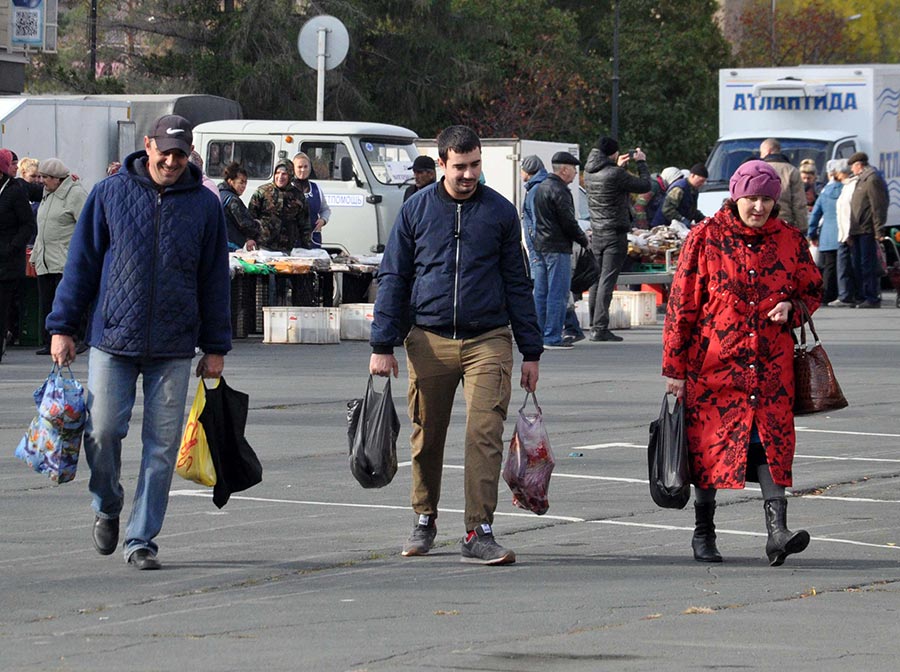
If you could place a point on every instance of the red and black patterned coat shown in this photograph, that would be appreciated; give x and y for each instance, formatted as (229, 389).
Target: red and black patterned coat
(738, 364)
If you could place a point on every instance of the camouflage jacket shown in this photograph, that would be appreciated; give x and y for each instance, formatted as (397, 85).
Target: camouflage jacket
(283, 217)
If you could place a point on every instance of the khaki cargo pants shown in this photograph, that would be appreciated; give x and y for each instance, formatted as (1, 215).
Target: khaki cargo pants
(436, 367)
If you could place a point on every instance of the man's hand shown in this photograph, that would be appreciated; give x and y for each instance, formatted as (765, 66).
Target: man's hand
(383, 365)
(675, 386)
(639, 154)
(62, 349)
(319, 224)
(623, 160)
(529, 378)
(210, 366)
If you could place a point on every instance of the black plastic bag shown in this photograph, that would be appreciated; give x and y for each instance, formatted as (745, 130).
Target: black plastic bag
(373, 427)
(223, 418)
(586, 271)
(667, 458)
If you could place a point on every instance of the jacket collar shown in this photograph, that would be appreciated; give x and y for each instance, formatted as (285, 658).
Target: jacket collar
(135, 166)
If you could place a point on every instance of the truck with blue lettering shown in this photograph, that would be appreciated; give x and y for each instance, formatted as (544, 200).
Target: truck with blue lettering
(361, 168)
(817, 112)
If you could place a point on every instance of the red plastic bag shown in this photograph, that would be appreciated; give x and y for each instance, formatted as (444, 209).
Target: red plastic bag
(530, 462)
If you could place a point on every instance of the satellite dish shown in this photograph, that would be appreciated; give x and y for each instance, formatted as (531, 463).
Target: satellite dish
(337, 41)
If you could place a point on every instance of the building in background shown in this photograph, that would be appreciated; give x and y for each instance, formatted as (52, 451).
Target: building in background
(26, 26)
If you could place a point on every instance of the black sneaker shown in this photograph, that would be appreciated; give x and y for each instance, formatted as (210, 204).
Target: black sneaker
(421, 539)
(574, 338)
(604, 335)
(562, 345)
(479, 547)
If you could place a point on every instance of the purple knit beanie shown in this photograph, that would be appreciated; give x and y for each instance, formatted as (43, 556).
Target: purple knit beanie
(755, 178)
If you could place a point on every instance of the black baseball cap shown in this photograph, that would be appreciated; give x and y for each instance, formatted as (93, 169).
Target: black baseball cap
(172, 132)
(423, 162)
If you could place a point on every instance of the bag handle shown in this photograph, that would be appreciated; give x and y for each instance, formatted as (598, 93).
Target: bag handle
(805, 317)
(533, 399)
(57, 370)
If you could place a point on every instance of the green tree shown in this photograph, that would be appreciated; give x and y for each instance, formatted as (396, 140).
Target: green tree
(807, 32)
(670, 52)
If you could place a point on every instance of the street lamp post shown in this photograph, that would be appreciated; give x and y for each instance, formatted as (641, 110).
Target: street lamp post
(614, 126)
(772, 24)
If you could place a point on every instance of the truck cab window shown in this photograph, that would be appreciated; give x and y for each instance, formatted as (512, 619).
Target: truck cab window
(389, 160)
(325, 158)
(256, 157)
(845, 150)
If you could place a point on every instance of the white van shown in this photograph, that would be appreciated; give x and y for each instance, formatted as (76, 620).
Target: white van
(362, 169)
(817, 112)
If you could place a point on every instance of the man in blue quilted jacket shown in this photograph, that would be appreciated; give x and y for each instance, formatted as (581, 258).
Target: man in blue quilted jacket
(454, 264)
(148, 262)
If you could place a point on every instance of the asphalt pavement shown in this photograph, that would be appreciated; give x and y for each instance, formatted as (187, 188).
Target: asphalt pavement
(303, 571)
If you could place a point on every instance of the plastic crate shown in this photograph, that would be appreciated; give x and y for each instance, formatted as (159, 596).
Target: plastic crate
(639, 306)
(303, 324)
(618, 316)
(356, 321)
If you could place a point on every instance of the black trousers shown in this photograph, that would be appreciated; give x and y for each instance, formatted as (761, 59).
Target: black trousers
(46, 285)
(8, 289)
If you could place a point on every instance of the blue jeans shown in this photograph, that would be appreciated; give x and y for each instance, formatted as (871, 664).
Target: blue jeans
(112, 387)
(552, 281)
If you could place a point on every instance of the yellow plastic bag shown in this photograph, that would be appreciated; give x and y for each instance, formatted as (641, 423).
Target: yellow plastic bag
(194, 459)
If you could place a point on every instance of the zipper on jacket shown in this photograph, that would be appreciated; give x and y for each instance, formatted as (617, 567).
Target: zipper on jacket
(456, 230)
(153, 270)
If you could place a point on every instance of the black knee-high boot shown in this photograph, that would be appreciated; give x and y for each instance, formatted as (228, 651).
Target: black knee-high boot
(782, 542)
(704, 539)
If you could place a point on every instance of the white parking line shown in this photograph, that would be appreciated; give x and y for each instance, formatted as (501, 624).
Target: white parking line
(835, 431)
(567, 519)
(741, 533)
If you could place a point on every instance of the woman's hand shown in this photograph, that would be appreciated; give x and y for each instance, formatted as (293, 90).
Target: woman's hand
(675, 386)
(779, 314)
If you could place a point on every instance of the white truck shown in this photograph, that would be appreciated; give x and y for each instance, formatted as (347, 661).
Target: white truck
(362, 168)
(88, 132)
(819, 112)
(501, 160)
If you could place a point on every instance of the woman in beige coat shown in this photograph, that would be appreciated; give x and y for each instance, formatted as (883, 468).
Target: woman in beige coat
(56, 216)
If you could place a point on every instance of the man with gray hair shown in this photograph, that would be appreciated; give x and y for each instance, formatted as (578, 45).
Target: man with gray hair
(792, 202)
(556, 228)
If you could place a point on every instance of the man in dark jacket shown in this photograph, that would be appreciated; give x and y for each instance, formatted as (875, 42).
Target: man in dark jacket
(149, 260)
(680, 203)
(423, 174)
(454, 264)
(868, 214)
(608, 186)
(556, 228)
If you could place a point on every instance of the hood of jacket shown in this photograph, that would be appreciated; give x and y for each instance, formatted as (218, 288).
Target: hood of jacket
(597, 160)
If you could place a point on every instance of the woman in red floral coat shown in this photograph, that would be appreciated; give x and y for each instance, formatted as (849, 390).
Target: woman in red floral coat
(728, 353)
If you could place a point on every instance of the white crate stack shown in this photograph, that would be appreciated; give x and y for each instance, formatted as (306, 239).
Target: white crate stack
(618, 316)
(640, 307)
(301, 324)
(356, 321)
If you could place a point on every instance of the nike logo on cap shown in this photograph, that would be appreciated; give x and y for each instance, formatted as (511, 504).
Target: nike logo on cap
(174, 131)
